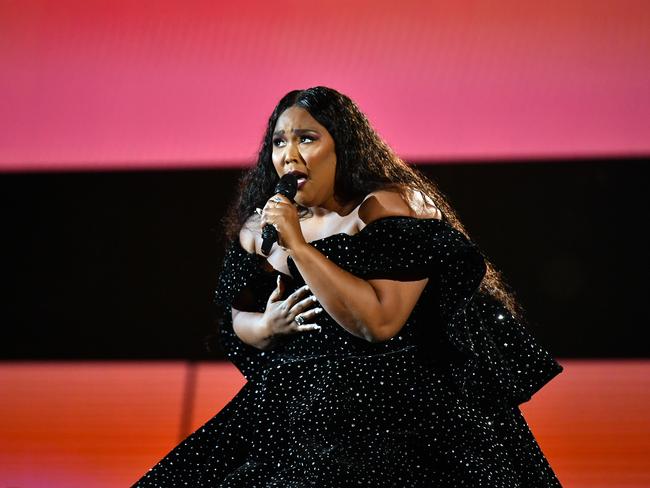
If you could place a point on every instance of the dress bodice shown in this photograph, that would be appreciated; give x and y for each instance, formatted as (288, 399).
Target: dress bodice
(453, 325)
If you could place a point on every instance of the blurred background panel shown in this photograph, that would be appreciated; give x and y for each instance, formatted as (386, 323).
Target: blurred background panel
(123, 265)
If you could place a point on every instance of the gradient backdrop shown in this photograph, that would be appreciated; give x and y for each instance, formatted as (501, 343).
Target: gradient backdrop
(553, 95)
(108, 84)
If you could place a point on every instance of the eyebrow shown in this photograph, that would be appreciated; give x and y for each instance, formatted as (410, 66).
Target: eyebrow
(295, 131)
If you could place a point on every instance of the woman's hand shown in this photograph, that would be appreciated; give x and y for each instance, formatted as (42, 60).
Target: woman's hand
(280, 212)
(279, 317)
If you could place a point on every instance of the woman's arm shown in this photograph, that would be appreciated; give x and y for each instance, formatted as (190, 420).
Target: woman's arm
(252, 329)
(262, 329)
(374, 310)
(250, 326)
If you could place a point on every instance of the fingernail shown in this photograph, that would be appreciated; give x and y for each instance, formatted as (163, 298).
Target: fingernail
(318, 310)
(306, 287)
(259, 211)
(278, 280)
(313, 298)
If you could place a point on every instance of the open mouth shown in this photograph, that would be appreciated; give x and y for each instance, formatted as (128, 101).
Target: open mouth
(301, 178)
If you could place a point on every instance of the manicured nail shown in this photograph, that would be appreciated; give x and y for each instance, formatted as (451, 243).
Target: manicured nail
(318, 310)
(313, 298)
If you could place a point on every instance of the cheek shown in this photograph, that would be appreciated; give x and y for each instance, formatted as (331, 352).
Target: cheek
(321, 159)
(328, 163)
(277, 164)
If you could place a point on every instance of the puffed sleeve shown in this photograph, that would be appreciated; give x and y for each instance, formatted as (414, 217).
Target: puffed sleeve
(409, 248)
(241, 271)
(497, 360)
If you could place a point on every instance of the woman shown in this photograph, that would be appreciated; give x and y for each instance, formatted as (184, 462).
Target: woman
(380, 346)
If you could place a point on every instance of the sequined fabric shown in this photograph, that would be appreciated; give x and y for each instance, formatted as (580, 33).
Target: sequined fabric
(435, 406)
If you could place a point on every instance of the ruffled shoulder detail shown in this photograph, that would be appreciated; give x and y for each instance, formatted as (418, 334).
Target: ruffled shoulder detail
(508, 365)
(240, 271)
(410, 248)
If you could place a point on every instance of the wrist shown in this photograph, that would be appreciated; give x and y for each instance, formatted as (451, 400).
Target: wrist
(266, 334)
(299, 250)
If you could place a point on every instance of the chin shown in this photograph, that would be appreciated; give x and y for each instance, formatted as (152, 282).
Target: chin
(301, 201)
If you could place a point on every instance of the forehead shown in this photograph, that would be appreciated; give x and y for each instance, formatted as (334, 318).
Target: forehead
(297, 118)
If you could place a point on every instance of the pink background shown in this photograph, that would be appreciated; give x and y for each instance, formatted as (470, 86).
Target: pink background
(116, 84)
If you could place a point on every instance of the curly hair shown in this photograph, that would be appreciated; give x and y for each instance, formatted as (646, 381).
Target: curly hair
(364, 164)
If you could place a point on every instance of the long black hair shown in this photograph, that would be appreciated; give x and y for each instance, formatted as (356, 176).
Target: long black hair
(364, 163)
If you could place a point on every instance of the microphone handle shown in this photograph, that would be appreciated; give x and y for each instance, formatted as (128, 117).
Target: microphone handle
(287, 186)
(269, 236)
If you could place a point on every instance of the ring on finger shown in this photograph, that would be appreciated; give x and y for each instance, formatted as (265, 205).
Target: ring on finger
(300, 320)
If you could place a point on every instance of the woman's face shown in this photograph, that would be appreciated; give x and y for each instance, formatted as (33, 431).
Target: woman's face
(303, 146)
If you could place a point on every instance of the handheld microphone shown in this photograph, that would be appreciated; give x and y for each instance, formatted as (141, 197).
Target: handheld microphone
(287, 186)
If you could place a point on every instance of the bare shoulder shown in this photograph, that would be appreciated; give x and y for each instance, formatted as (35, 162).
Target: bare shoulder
(383, 203)
(249, 233)
(387, 203)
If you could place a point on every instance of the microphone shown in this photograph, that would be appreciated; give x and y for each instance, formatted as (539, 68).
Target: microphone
(287, 186)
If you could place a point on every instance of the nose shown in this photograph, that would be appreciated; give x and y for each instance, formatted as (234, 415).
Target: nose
(291, 154)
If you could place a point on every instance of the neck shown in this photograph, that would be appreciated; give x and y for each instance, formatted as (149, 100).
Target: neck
(332, 206)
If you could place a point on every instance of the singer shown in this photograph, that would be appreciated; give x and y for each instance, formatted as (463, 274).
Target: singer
(380, 345)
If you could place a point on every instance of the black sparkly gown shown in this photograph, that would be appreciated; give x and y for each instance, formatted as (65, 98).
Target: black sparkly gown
(435, 406)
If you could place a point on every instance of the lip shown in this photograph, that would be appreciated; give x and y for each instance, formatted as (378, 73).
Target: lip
(302, 177)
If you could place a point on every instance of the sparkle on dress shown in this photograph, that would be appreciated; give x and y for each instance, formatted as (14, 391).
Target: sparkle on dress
(434, 406)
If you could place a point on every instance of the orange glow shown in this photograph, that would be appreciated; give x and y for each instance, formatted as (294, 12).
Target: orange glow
(104, 424)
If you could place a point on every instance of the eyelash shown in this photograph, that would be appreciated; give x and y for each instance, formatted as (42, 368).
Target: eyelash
(275, 141)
